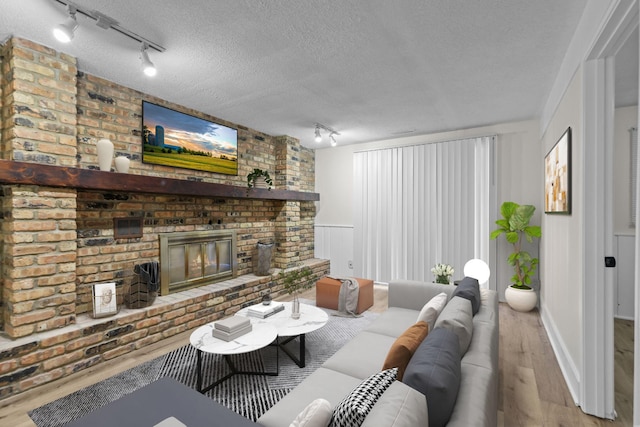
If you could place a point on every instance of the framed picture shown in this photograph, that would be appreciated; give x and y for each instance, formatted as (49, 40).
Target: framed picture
(104, 299)
(171, 138)
(557, 176)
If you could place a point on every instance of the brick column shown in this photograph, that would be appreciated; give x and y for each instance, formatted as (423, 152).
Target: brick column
(38, 227)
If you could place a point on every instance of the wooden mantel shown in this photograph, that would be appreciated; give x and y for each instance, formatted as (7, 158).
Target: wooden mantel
(12, 172)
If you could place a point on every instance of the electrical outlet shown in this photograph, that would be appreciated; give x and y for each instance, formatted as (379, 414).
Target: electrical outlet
(350, 265)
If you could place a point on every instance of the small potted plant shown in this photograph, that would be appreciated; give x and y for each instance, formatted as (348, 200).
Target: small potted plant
(443, 273)
(259, 179)
(514, 225)
(295, 281)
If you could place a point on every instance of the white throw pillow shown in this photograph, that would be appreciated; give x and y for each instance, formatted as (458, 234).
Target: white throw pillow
(317, 414)
(432, 309)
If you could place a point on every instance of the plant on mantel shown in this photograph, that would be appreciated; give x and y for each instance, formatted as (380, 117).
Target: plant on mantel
(253, 178)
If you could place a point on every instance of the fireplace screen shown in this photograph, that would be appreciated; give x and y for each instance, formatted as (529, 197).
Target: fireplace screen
(196, 258)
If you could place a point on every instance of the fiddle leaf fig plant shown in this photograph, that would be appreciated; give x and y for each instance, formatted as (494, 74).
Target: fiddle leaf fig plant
(515, 226)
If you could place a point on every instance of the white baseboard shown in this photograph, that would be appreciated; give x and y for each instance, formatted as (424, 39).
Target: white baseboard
(568, 368)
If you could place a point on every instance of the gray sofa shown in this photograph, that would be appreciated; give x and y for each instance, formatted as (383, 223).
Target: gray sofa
(401, 405)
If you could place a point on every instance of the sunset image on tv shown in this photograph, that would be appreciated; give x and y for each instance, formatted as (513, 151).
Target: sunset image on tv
(171, 138)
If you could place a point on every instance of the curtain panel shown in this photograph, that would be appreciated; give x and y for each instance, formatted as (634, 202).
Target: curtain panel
(419, 205)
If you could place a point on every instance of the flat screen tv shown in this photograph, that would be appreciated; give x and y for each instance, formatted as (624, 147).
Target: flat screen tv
(171, 138)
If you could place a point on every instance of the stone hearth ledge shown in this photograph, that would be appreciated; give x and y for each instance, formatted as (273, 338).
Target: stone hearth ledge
(84, 321)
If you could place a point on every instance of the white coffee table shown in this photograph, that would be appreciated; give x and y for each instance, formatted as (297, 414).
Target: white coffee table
(311, 319)
(261, 335)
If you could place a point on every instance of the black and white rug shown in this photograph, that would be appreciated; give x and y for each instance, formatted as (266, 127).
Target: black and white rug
(248, 395)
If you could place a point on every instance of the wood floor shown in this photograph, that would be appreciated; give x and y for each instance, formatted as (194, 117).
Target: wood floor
(532, 390)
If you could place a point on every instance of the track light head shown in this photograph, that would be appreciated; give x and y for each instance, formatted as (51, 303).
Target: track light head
(332, 138)
(64, 32)
(318, 138)
(147, 66)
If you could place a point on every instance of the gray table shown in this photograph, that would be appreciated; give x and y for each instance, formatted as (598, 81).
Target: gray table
(159, 400)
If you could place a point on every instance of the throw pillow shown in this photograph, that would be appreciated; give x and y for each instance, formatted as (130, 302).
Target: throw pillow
(317, 414)
(434, 370)
(404, 347)
(458, 318)
(432, 309)
(354, 408)
(469, 288)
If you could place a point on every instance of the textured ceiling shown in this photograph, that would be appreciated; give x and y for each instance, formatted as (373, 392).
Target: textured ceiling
(370, 69)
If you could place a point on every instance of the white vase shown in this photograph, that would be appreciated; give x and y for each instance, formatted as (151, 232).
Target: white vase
(521, 299)
(122, 164)
(104, 148)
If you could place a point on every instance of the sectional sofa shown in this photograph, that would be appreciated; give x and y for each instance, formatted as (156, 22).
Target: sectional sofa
(450, 377)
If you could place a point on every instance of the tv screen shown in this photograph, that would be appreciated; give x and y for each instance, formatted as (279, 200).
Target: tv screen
(171, 138)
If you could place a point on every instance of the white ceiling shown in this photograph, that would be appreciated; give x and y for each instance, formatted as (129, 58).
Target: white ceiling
(370, 69)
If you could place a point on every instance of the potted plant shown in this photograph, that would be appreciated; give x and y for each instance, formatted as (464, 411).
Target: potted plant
(443, 273)
(253, 179)
(514, 225)
(295, 281)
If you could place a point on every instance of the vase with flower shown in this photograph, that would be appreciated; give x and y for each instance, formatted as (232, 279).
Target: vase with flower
(443, 273)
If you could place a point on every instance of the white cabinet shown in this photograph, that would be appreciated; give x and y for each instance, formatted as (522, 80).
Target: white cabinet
(625, 265)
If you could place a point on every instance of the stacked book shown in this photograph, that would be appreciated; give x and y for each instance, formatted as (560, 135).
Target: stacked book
(262, 311)
(231, 328)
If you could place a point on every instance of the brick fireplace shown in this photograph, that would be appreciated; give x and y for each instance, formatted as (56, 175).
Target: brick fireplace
(59, 240)
(196, 258)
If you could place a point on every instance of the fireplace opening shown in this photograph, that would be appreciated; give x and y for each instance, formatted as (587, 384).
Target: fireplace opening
(196, 258)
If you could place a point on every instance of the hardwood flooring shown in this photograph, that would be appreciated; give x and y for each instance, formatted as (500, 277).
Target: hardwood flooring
(532, 391)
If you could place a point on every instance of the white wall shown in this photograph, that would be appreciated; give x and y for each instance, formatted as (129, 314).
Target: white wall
(625, 118)
(561, 257)
(519, 178)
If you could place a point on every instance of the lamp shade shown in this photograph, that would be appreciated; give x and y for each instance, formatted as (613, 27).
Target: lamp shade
(64, 32)
(478, 269)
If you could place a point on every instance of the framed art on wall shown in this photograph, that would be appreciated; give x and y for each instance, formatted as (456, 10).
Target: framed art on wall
(172, 138)
(104, 299)
(557, 176)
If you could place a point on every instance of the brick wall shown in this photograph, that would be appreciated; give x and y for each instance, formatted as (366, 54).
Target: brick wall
(58, 242)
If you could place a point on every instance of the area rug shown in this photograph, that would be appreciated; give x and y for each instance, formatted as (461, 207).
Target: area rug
(248, 395)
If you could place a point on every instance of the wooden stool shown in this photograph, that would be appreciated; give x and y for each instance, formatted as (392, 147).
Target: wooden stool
(328, 293)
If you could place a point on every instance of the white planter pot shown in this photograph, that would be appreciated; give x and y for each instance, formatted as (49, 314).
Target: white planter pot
(521, 299)
(122, 164)
(104, 148)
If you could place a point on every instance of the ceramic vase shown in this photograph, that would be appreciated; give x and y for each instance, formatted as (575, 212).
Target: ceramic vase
(122, 164)
(104, 148)
(521, 299)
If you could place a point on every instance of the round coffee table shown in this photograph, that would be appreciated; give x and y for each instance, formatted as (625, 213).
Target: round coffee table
(261, 335)
(311, 319)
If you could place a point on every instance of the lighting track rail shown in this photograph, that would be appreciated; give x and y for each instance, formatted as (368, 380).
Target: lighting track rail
(106, 22)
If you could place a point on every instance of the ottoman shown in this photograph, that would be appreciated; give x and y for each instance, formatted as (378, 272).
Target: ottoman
(328, 292)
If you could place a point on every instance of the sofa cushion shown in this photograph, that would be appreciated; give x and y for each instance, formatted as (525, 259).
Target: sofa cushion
(322, 383)
(317, 414)
(434, 370)
(362, 356)
(469, 288)
(432, 309)
(399, 406)
(354, 408)
(393, 322)
(403, 348)
(458, 318)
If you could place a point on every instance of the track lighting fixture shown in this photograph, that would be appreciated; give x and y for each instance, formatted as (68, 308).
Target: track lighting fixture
(332, 134)
(147, 66)
(332, 138)
(64, 32)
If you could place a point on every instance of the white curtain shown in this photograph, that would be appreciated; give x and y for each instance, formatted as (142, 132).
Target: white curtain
(421, 205)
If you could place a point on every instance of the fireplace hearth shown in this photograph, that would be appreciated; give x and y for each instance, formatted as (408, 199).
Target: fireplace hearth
(196, 258)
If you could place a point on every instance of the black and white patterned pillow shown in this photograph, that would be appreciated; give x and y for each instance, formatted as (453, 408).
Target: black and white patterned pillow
(354, 408)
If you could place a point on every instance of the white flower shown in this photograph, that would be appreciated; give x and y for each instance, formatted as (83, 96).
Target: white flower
(442, 270)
